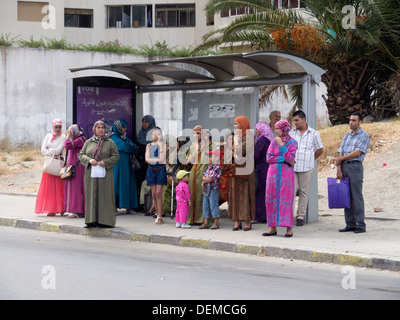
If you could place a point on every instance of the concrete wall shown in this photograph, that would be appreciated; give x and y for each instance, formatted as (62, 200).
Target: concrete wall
(33, 90)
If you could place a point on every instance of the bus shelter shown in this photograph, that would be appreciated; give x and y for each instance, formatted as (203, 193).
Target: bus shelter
(211, 73)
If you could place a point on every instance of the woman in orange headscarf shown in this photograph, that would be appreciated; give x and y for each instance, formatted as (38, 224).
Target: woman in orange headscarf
(242, 181)
(198, 156)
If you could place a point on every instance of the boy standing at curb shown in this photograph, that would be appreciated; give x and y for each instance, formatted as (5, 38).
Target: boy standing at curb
(210, 186)
(182, 199)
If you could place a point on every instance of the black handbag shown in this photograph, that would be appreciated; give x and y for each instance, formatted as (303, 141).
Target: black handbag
(135, 165)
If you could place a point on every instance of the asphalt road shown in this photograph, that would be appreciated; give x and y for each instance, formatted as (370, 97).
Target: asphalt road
(42, 265)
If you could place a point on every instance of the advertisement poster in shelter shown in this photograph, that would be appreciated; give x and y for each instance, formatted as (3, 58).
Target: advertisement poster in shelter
(106, 104)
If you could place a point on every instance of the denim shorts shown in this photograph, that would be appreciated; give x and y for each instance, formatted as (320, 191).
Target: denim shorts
(156, 175)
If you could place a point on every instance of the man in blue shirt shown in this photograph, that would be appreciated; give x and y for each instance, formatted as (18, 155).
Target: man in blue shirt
(351, 155)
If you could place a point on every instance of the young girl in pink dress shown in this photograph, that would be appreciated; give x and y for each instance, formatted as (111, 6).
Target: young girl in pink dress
(182, 199)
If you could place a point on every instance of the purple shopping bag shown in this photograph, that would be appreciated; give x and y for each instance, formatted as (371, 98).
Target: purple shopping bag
(339, 193)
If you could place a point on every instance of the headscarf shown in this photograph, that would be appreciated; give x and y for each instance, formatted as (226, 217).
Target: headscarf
(142, 135)
(199, 129)
(77, 131)
(100, 140)
(265, 131)
(56, 122)
(244, 124)
(117, 128)
(204, 141)
(285, 127)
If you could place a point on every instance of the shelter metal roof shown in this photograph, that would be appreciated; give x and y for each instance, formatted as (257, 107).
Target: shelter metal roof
(215, 69)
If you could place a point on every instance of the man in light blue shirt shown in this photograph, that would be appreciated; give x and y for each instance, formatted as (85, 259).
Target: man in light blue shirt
(351, 155)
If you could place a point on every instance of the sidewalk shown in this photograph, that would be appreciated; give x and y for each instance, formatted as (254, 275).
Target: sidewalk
(378, 248)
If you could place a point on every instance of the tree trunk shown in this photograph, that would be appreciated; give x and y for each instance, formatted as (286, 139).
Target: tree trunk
(349, 86)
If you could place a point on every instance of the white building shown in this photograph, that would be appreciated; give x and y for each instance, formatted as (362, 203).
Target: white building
(181, 23)
(33, 81)
(132, 22)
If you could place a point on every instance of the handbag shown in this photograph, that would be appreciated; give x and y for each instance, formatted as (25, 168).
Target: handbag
(135, 165)
(68, 172)
(53, 164)
(339, 193)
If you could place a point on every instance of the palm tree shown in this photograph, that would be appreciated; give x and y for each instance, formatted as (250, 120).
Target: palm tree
(387, 20)
(352, 57)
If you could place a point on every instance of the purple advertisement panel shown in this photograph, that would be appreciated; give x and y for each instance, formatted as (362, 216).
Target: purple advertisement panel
(106, 104)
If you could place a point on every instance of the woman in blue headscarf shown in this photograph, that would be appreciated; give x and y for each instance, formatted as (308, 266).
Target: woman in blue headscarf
(124, 177)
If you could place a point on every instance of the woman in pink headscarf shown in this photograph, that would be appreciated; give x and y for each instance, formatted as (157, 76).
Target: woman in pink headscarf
(280, 180)
(50, 198)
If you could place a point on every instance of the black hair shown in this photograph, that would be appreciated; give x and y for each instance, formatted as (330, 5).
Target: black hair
(360, 117)
(300, 114)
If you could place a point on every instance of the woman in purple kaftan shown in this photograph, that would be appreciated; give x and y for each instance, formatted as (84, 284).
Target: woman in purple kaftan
(74, 199)
(263, 138)
(280, 180)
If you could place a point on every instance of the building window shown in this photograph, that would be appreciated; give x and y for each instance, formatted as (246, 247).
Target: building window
(175, 15)
(31, 11)
(288, 4)
(78, 18)
(132, 16)
(235, 12)
(281, 4)
(210, 20)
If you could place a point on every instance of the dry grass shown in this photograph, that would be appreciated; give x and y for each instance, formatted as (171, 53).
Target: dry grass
(383, 135)
(13, 159)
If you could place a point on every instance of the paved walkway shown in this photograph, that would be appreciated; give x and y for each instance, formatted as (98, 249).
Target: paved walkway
(379, 247)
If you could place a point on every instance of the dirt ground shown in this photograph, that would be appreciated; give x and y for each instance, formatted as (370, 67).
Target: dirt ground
(21, 171)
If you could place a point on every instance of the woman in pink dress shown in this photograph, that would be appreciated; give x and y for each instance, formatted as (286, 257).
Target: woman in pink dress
(50, 198)
(280, 180)
(74, 200)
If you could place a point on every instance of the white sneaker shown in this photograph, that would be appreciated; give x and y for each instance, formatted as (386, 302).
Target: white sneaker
(178, 225)
(186, 226)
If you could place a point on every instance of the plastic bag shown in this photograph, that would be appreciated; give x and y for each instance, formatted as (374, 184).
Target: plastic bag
(339, 193)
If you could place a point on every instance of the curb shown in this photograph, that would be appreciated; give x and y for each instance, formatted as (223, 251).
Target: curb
(262, 251)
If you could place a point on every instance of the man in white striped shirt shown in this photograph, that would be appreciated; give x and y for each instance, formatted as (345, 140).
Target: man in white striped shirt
(310, 148)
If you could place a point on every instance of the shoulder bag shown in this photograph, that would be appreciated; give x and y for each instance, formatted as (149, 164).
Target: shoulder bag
(53, 164)
(68, 172)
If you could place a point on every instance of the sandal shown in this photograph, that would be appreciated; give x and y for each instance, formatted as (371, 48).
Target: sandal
(159, 220)
(214, 227)
(239, 227)
(204, 226)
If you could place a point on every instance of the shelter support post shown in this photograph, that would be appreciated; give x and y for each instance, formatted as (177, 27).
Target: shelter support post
(310, 109)
(139, 110)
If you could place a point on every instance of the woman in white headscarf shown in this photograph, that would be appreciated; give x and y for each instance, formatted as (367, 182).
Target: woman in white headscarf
(50, 198)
